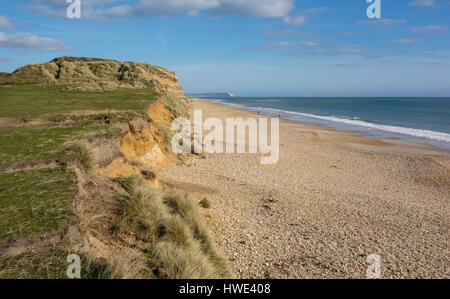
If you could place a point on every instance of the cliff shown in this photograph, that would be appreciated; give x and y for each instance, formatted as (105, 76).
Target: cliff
(98, 130)
(95, 74)
(142, 143)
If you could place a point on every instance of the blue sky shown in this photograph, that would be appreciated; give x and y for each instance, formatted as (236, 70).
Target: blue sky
(247, 47)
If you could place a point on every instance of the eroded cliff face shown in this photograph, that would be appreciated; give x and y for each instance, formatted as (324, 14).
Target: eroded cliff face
(143, 142)
(144, 145)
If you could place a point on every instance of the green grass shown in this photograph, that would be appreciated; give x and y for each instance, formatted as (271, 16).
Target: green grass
(179, 245)
(35, 201)
(32, 101)
(56, 125)
(49, 265)
(24, 144)
(62, 116)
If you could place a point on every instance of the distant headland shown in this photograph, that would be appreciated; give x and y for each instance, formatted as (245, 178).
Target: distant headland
(212, 95)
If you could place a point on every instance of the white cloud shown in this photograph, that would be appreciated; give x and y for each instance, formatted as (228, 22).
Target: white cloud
(193, 13)
(31, 42)
(424, 3)
(349, 33)
(432, 29)
(64, 4)
(5, 23)
(384, 22)
(270, 32)
(295, 21)
(256, 8)
(314, 10)
(406, 41)
(286, 45)
(96, 9)
(153, 8)
(344, 65)
(348, 49)
(430, 3)
(301, 19)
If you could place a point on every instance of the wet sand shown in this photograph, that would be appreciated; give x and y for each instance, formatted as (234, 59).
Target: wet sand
(333, 199)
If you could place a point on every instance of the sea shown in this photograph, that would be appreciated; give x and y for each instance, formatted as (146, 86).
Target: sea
(425, 120)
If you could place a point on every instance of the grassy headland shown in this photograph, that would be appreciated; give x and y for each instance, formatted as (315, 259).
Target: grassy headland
(56, 130)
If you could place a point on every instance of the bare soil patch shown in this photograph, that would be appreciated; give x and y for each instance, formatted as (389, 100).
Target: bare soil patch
(9, 122)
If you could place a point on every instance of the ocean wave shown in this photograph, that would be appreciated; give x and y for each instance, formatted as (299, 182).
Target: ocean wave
(420, 133)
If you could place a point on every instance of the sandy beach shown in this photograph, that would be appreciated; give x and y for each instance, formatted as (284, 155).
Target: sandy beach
(333, 199)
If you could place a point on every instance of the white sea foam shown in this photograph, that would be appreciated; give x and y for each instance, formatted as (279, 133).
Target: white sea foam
(433, 135)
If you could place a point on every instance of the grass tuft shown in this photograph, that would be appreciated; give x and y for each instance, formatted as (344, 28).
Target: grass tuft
(180, 245)
(149, 174)
(205, 203)
(174, 262)
(182, 158)
(166, 133)
(177, 107)
(84, 157)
